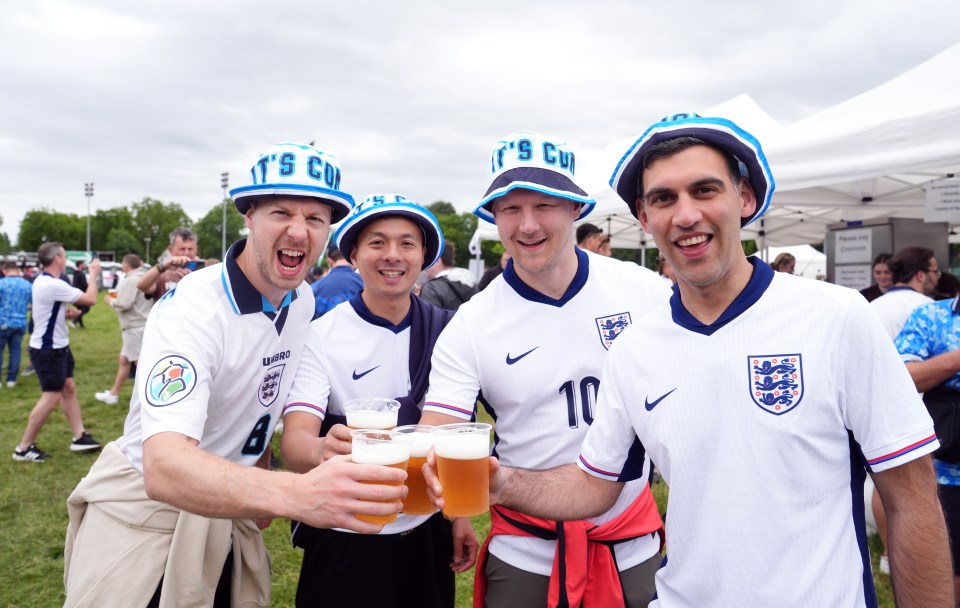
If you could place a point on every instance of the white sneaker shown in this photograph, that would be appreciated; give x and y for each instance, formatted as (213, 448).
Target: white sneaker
(884, 565)
(11, 384)
(107, 397)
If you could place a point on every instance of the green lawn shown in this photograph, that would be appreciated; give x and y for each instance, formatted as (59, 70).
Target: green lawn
(33, 496)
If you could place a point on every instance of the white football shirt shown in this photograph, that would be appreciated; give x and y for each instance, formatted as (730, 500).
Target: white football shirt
(761, 424)
(353, 353)
(217, 363)
(536, 364)
(49, 310)
(895, 306)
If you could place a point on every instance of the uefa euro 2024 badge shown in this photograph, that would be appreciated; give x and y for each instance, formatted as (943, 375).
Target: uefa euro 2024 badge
(171, 379)
(776, 382)
(611, 326)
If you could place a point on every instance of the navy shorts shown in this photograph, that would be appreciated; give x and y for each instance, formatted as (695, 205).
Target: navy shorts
(53, 367)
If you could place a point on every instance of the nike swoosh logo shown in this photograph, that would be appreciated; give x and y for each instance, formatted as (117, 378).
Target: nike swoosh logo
(357, 376)
(512, 360)
(652, 404)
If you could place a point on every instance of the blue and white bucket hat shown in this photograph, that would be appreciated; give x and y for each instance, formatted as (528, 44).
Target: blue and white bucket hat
(719, 132)
(291, 169)
(533, 162)
(379, 206)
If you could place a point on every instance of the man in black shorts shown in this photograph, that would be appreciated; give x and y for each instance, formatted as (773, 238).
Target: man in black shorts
(50, 352)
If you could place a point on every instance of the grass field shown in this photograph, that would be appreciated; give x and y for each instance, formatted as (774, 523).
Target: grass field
(33, 496)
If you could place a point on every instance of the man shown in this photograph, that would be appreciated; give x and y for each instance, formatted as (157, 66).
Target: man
(132, 308)
(378, 344)
(449, 286)
(15, 293)
(915, 272)
(165, 515)
(531, 346)
(494, 271)
(589, 237)
(930, 346)
(181, 260)
(759, 395)
(50, 352)
(80, 282)
(339, 284)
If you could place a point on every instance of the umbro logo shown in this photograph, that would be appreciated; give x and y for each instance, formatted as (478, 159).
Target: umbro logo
(512, 360)
(357, 376)
(652, 404)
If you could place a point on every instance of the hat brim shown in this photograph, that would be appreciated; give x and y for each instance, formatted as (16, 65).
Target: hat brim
(538, 180)
(341, 202)
(719, 132)
(348, 232)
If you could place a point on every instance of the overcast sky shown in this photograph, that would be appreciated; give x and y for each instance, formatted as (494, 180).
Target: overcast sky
(158, 98)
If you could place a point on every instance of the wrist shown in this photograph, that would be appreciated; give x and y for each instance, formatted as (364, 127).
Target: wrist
(160, 267)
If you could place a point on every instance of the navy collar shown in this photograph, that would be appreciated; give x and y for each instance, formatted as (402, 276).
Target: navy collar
(893, 288)
(364, 313)
(756, 286)
(529, 293)
(243, 296)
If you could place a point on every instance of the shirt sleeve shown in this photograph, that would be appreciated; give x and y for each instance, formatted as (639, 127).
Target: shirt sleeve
(454, 374)
(878, 400)
(311, 385)
(65, 292)
(611, 449)
(182, 350)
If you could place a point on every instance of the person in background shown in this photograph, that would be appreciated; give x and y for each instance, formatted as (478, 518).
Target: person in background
(494, 271)
(339, 284)
(785, 262)
(80, 282)
(948, 286)
(179, 260)
(915, 275)
(882, 278)
(449, 286)
(50, 352)
(15, 293)
(665, 270)
(588, 237)
(133, 308)
(605, 247)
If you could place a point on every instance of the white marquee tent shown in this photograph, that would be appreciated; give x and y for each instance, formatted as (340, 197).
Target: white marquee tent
(868, 157)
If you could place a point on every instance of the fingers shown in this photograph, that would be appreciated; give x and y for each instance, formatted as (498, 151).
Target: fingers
(434, 488)
(337, 441)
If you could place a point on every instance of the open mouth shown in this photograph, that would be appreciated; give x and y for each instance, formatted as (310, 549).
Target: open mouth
(692, 241)
(392, 274)
(532, 244)
(290, 260)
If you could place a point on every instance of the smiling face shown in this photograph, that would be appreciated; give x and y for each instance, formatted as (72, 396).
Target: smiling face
(388, 255)
(287, 235)
(882, 275)
(537, 231)
(693, 210)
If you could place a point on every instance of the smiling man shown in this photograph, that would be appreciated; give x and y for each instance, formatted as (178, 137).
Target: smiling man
(377, 344)
(165, 516)
(531, 347)
(761, 397)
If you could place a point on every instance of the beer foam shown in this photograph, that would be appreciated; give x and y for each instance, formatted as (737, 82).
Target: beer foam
(385, 453)
(369, 419)
(462, 446)
(422, 442)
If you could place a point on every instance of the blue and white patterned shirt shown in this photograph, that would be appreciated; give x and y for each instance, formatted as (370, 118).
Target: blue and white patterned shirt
(934, 329)
(14, 298)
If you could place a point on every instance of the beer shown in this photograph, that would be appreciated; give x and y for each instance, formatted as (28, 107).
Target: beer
(371, 413)
(417, 501)
(373, 446)
(462, 451)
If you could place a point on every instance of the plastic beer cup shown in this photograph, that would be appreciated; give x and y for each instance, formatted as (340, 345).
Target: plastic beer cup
(371, 413)
(417, 501)
(386, 448)
(462, 451)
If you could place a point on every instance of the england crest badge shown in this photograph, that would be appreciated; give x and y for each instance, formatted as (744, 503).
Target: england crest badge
(776, 382)
(611, 326)
(270, 385)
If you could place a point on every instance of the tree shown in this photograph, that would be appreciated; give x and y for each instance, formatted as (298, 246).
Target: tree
(42, 225)
(209, 228)
(113, 230)
(156, 220)
(456, 228)
(4, 241)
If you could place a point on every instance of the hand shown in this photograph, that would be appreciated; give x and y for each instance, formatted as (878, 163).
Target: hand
(331, 494)
(336, 441)
(94, 268)
(498, 480)
(108, 299)
(465, 545)
(72, 313)
(177, 264)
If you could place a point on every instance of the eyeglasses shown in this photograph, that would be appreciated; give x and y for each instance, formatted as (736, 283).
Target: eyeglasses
(935, 271)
